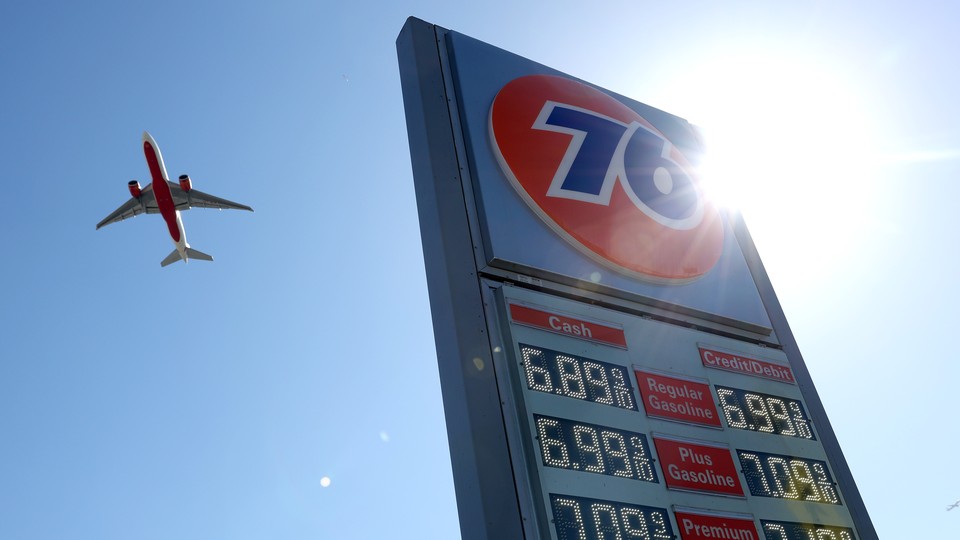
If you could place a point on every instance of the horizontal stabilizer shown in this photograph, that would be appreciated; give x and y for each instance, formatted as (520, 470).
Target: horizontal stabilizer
(194, 254)
(191, 253)
(173, 257)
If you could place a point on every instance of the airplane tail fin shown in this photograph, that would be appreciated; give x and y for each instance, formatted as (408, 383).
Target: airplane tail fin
(174, 256)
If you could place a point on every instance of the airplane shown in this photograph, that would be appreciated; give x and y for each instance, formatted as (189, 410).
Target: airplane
(952, 506)
(167, 199)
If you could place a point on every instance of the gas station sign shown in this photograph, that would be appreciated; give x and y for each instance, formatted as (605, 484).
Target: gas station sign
(613, 360)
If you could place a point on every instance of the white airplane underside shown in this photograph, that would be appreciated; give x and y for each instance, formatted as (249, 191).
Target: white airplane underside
(167, 199)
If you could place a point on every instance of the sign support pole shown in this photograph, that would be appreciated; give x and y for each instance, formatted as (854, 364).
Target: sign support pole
(478, 446)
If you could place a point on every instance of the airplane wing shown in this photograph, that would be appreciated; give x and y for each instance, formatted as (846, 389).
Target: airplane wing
(146, 203)
(195, 198)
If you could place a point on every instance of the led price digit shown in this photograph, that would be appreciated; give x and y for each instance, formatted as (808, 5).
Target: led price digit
(787, 477)
(598, 382)
(764, 413)
(588, 446)
(572, 376)
(579, 446)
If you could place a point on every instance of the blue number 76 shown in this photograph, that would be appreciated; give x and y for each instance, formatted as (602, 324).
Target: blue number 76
(603, 149)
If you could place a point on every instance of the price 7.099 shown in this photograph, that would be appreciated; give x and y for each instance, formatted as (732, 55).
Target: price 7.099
(594, 519)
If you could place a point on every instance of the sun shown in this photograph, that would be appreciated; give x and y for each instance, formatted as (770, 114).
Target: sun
(789, 144)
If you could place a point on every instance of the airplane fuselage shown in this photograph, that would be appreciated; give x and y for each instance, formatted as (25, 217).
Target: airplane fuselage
(168, 210)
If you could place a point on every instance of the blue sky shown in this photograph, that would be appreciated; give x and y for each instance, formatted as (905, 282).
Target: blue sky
(208, 400)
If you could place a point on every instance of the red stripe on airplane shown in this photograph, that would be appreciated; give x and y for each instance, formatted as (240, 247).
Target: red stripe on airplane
(162, 191)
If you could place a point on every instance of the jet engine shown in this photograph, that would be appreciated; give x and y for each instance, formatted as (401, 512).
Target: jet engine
(134, 188)
(185, 183)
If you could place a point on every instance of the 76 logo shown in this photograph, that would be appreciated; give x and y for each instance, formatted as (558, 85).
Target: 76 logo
(604, 179)
(604, 150)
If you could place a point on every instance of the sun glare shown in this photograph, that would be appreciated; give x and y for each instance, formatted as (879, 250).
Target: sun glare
(789, 145)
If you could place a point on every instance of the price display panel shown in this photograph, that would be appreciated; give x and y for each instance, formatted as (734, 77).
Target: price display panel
(579, 518)
(576, 377)
(764, 413)
(643, 435)
(788, 477)
(787, 530)
(580, 446)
